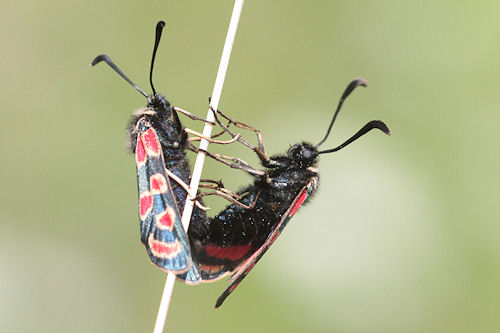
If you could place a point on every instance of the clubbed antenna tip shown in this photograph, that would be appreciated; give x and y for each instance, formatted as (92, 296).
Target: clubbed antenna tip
(107, 59)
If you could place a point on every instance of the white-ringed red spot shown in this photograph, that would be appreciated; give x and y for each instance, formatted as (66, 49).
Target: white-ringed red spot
(300, 200)
(140, 153)
(164, 250)
(158, 184)
(165, 220)
(151, 142)
(145, 204)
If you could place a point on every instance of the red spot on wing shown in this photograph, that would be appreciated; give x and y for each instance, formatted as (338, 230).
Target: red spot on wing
(151, 142)
(165, 220)
(300, 200)
(140, 153)
(230, 252)
(158, 184)
(164, 250)
(145, 205)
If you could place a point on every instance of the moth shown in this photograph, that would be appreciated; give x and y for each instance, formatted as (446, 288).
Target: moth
(158, 140)
(238, 237)
(235, 239)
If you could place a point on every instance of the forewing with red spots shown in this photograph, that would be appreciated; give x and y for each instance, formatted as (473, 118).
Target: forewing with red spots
(161, 227)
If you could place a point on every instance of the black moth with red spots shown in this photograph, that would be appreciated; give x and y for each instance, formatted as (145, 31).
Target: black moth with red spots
(237, 237)
(158, 140)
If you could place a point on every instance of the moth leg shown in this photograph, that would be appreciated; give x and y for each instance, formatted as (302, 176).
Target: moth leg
(199, 135)
(177, 180)
(235, 163)
(246, 189)
(212, 181)
(238, 196)
(190, 115)
(252, 206)
(260, 150)
(229, 197)
(200, 206)
(228, 131)
(219, 188)
(195, 117)
(185, 186)
(213, 136)
(244, 126)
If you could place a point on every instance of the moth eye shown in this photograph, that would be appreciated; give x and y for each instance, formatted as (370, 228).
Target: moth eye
(307, 154)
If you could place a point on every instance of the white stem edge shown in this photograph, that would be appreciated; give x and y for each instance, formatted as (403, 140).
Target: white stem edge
(200, 158)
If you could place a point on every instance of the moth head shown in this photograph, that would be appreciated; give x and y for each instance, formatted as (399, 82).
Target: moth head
(303, 153)
(159, 103)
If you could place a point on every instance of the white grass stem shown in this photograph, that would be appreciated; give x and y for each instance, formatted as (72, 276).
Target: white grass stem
(200, 158)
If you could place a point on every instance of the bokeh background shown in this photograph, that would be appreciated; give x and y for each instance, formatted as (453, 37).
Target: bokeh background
(403, 235)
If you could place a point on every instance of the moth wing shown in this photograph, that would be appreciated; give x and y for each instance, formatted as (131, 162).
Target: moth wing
(247, 266)
(160, 220)
(204, 272)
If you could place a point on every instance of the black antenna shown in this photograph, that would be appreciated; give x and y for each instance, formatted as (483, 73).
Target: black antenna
(159, 28)
(107, 59)
(353, 85)
(367, 128)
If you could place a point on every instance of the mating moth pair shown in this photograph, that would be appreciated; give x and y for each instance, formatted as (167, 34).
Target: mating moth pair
(235, 239)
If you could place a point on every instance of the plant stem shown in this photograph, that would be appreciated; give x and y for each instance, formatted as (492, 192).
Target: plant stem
(200, 158)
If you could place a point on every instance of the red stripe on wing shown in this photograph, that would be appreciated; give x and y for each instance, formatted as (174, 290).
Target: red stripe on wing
(247, 266)
(230, 252)
(300, 200)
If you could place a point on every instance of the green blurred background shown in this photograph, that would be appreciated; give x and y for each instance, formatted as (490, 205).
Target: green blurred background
(403, 235)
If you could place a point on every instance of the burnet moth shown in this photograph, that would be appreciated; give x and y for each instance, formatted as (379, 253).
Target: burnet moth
(238, 237)
(158, 141)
